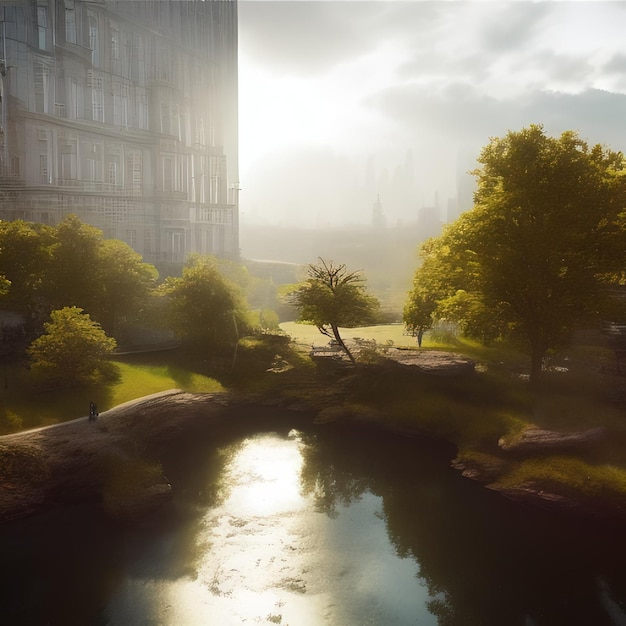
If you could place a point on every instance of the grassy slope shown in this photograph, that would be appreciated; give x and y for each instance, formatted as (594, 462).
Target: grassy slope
(23, 406)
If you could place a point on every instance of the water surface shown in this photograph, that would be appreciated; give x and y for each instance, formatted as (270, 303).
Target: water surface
(305, 527)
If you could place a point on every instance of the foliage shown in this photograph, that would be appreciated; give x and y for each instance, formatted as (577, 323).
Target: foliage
(69, 277)
(533, 257)
(333, 297)
(125, 283)
(203, 308)
(46, 268)
(418, 312)
(568, 474)
(73, 350)
(24, 256)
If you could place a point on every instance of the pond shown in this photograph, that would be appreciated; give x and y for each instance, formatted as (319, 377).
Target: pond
(303, 527)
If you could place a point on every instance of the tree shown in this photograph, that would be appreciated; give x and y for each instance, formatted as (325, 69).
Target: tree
(71, 276)
(124, 283)
(418, 312)
(332, 297)
(202, 307)
(73, 350)
(24, 255)
(533, 256)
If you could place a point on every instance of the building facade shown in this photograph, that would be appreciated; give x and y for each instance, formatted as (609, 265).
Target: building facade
(123, 112)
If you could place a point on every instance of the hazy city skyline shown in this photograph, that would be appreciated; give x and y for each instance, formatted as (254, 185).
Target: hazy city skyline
(341, 101)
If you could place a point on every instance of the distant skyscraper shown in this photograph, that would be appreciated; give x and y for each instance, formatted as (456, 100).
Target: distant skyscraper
(378, 217)
(124, 113)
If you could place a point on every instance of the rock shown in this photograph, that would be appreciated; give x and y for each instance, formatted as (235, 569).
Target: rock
(534, 439)
(432, 361)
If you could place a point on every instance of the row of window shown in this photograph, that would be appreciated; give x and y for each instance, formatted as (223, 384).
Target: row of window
(110, 100)
(119, 48)
(67, 159)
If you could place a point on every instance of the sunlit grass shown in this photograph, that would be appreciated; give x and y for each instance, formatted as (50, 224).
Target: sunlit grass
(569, 474)
(137, 381)
(307, 333)
(24, 406)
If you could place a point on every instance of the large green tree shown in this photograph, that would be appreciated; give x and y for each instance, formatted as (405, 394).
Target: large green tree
(203, 308)
(332, 297)
(71, 276)
(546, 234)
(73, 350)
(24, 256)
(125, 283)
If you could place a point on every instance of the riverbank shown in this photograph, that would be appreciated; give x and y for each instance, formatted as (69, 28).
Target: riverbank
(74, 460)
(113, 459)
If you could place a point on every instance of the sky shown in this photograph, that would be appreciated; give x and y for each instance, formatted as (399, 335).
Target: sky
(341, 102)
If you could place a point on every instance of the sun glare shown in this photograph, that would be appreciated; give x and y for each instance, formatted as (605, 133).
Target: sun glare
(264, 477)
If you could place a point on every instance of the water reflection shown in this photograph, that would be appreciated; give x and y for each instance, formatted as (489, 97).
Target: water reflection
(309, 528)
(264, 554)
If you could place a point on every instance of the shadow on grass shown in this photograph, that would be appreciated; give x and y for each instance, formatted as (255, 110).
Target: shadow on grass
(25, 404)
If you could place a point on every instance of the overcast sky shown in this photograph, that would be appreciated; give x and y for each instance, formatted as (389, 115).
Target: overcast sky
(342, 101)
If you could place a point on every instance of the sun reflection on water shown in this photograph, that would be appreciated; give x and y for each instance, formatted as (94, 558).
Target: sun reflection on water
(264, 476)
(264, 554)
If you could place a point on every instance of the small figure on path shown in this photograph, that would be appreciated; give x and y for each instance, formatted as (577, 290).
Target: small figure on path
(93, 411)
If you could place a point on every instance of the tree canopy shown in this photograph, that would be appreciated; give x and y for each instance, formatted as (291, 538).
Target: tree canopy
(333, 297)
(546, 234)
(204, 308)
(73, 349)
(71, 264)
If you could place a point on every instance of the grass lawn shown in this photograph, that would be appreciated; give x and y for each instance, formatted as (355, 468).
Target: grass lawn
(308, 334)
(22, 406)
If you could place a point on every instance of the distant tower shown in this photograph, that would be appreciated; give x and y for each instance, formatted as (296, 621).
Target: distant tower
(378, 219)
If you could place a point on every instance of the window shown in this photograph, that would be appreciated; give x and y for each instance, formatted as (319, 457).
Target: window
(175, 244)
(42, 88)
(115, 43)
(120, 104)
(91, 161)
(140, 60)
(93, 40)
(68, 161)
(44, 169)
(130, 237)
(97, 99)
(15, 165)
(147, 241)
(74, 92)
(42, 23)
(134, 170)
(142, 108)
(44, 173)
(165, 118)
(70, 21)
(112, 179)
(168, 173)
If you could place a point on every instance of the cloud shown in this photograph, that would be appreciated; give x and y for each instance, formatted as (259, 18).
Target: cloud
(512, 26)
(436, 78)
(305, 38)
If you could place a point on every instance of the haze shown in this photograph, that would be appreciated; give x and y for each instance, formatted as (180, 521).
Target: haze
(343, 101)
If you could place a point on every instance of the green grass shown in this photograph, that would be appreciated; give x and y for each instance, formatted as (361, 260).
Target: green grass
(308, 334)
(569, 474)
(142, 380)
(23, 406)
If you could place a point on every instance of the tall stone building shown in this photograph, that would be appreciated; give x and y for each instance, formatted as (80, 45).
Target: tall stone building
(123, 112)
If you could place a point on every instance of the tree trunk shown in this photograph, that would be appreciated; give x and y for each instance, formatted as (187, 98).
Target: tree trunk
(342, 344)
(420, 334)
